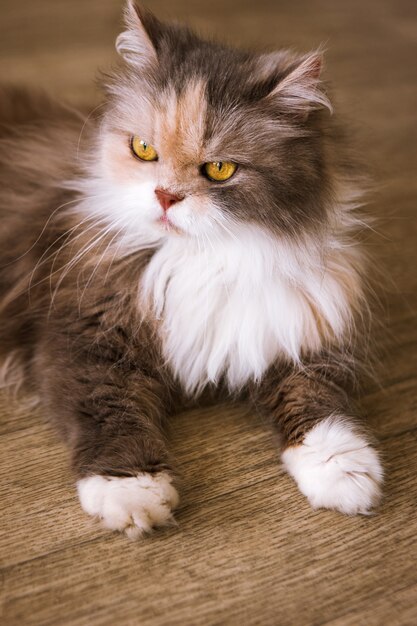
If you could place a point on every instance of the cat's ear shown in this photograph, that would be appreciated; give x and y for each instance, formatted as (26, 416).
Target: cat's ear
(300, 89)
(137, 44)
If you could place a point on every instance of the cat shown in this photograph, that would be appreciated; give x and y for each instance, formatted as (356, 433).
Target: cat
(201, 230)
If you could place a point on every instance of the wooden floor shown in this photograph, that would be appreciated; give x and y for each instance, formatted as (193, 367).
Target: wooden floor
(248, 550)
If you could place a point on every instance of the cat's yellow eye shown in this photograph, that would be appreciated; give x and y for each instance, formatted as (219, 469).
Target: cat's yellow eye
(219, 171)
(142, 149)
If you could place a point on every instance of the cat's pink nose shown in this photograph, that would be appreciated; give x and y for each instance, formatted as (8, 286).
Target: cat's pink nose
(166, 198)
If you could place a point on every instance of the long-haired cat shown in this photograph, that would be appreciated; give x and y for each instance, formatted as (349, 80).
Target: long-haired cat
(202, 231)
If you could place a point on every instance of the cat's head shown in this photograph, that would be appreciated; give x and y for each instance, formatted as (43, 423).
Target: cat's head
(198, 139)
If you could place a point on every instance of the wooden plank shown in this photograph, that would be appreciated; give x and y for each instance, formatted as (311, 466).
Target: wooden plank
(258, 550)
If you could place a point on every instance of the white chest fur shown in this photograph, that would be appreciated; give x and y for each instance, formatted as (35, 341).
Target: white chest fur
(232, 307)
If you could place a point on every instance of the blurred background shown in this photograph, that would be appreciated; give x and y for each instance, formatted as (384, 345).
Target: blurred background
(248, 550)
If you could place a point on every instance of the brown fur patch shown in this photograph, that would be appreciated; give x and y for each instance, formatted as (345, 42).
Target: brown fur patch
(180, 129)
(296, 399)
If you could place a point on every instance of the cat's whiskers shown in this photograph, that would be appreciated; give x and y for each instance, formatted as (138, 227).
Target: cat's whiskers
(94, 241)
(40, 234)
(97, 265)
(55, 256)
(66, 268)
(44, 259)
(115, 254)
(70, 239)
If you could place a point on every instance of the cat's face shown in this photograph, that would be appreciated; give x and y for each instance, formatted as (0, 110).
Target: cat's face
(198, 139)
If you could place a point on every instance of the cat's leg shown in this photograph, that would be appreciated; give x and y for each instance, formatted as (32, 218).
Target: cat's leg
(125, 476)
(325, 449)
(110, 408)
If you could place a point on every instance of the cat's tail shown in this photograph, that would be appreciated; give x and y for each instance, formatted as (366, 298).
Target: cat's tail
(20, 106)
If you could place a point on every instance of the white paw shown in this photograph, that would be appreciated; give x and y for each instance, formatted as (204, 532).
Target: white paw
(134, 505)
(336, 468)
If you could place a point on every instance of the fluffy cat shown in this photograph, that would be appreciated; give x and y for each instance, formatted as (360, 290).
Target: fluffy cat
(201, 231)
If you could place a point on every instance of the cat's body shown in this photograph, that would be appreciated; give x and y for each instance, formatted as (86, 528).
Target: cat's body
(128, 286)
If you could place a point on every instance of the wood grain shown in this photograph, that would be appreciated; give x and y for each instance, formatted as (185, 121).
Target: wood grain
(248, 550)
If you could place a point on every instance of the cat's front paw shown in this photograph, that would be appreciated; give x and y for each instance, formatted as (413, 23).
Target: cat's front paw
(336, 468)
(134, 505)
